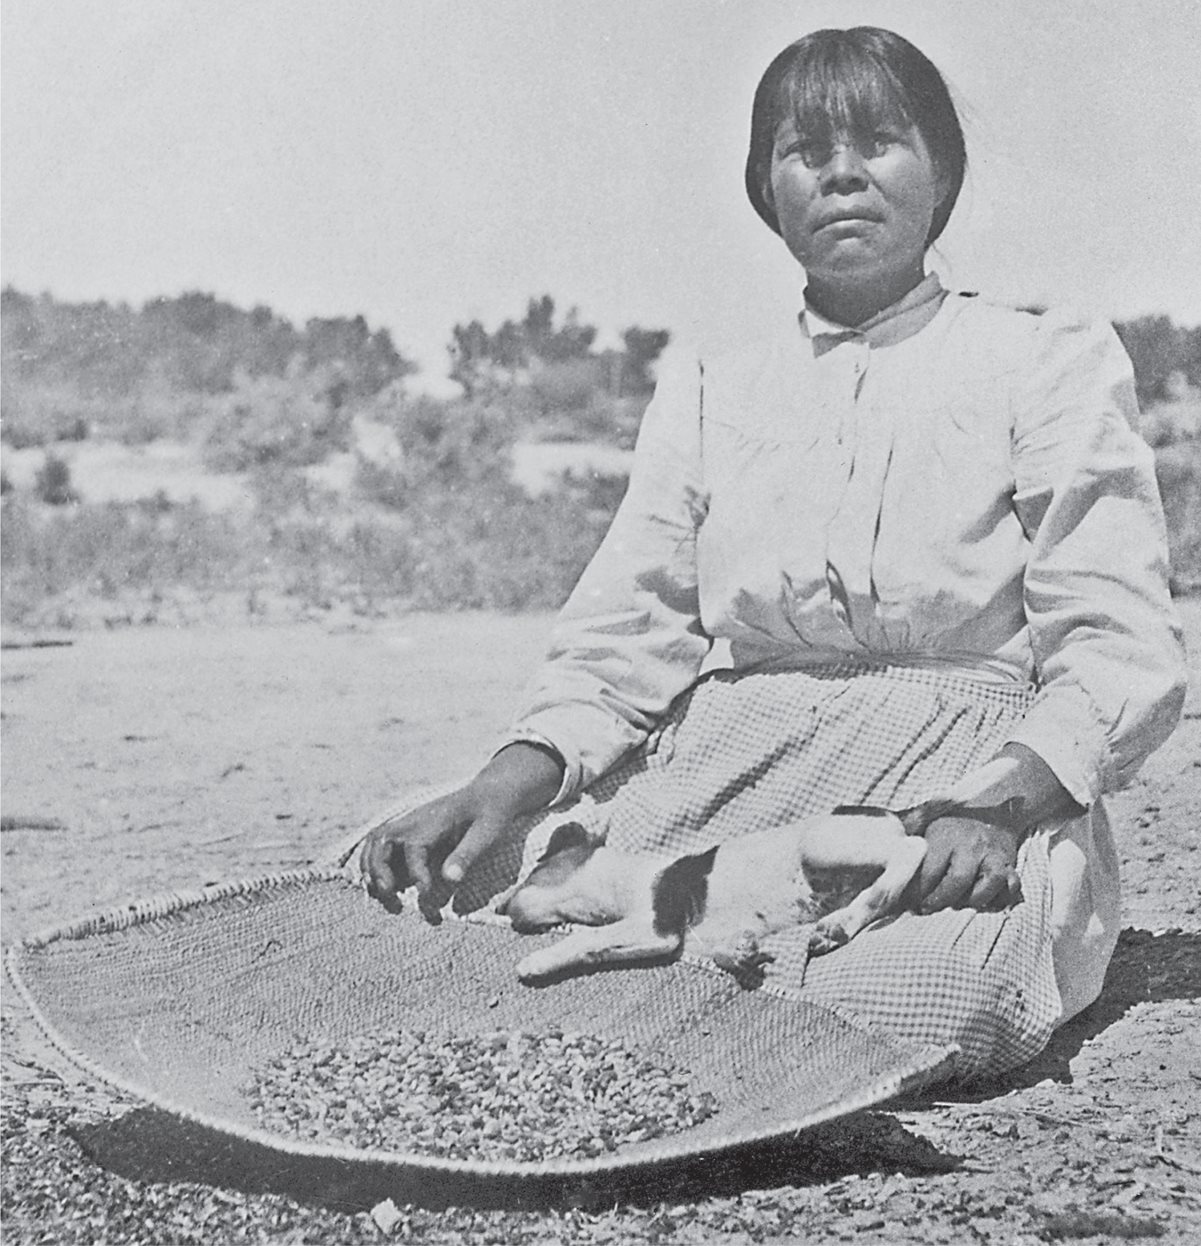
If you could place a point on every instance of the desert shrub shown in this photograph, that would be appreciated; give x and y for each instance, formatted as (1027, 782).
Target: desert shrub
(500, 549)
(158, 503)
(566, 386)
(1159, 351)
(457, 532)
(22, 436)
(268, 420)
(382, 483)
(482, 544)
(194, 342)
(1164, 423)
(102, 549)
(1178, 469)
(281, 490)
(381, 556)
(444, 446)
(53, 482)
(153, 413)
(40, 417)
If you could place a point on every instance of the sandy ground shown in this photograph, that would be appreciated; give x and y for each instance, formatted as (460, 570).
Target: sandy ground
(170, 758)
(106, 471)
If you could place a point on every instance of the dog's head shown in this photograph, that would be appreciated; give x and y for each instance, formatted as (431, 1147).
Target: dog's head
(556, 890)
(577, 879)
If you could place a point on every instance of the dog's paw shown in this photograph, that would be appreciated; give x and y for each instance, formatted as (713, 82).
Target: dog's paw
(826, 937)
(745, 961)
(539, 965)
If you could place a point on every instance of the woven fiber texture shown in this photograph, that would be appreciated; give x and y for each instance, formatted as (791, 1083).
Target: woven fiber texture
(739, 752)
(181, 1001)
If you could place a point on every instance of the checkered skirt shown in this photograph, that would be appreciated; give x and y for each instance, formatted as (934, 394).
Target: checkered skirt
(741, 751)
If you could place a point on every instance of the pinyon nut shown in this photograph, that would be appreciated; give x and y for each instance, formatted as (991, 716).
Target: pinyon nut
(505, 1095)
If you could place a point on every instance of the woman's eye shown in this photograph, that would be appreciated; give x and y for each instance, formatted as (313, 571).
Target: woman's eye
(882, 140)
(812, 154)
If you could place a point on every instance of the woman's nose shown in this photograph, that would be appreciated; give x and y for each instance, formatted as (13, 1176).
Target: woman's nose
(844, 171)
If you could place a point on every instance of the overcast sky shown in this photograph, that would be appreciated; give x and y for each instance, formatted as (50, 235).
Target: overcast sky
(430, 161)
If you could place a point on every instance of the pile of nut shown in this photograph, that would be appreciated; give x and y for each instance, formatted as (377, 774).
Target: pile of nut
(504, 1096)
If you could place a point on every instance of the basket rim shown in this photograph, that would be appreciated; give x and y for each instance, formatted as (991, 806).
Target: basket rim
(926, 1062)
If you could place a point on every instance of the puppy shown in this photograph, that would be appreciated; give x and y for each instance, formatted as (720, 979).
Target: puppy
(841, 871)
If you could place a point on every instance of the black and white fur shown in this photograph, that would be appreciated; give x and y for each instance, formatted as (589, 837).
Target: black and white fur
(840, 871)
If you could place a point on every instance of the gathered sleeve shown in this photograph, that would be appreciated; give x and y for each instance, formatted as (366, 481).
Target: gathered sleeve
(630, 639)
(1107, 645)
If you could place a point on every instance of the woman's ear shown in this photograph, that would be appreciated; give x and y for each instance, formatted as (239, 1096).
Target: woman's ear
(942, 185)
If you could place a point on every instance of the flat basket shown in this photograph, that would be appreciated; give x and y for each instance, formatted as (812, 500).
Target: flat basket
(178, 1001)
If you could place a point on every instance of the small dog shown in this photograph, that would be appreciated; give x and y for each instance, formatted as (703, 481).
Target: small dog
(841, 871)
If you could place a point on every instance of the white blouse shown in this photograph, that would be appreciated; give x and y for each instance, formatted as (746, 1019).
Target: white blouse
(953, 483)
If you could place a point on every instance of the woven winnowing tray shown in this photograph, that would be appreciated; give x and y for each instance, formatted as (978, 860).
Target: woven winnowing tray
(179, 1001)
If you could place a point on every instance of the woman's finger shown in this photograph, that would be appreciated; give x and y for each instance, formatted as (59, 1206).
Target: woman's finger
(375, 865)
(953, 888)
(415, 854)
(990, 885)
(479, 835)
(936, 863)
(407, 852)
(1013, 887)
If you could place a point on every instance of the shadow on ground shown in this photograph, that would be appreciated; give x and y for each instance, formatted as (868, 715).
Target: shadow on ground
(148, 1145)
(1146, 968)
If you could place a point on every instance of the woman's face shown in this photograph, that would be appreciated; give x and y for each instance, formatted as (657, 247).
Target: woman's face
(855, 210)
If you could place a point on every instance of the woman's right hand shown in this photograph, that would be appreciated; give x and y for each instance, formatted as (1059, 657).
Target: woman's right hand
(433, 846)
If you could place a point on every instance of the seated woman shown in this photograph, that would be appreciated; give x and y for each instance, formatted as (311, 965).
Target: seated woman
(926, 536)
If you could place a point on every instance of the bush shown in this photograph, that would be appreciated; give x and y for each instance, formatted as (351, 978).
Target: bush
(566, 386)
(152, 414)
(288, 421)
(53, 482)
(102, 550)
(28, 425)
(444, 446)
(476, 545)
(1178, 469)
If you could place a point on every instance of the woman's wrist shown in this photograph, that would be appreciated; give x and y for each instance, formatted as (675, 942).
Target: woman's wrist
(526, 775)
(1036, 789)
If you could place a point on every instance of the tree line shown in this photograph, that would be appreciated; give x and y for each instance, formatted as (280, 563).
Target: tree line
(195, 343)
(198, 343)
(545, 363)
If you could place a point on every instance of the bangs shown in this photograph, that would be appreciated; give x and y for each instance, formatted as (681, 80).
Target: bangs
(839, 90)
(835, 85)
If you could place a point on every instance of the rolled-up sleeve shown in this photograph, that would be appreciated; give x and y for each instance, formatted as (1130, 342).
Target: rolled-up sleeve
(629, 640)
(1106, 641)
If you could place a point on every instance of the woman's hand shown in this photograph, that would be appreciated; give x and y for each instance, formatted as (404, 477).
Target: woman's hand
(972, 862)
(968, 864)
(433, 846)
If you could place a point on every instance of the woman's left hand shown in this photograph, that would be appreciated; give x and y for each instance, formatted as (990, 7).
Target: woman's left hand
(968, 864)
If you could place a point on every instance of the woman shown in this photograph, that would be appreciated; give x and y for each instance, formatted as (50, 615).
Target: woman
(925, 535)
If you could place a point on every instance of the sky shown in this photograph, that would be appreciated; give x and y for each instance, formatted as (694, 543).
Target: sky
(428, 162)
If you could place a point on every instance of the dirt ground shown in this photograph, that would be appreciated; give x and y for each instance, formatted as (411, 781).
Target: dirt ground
(138, 761)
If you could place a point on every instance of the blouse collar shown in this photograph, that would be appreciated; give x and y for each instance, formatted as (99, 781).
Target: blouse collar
(894, 324)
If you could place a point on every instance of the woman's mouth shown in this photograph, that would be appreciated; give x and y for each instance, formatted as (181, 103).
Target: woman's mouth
(848, 219)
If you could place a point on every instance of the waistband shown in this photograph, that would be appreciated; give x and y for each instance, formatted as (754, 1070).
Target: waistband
(990, 672)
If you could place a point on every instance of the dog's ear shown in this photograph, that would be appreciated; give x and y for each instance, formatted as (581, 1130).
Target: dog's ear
(569, 835)
(679, 892)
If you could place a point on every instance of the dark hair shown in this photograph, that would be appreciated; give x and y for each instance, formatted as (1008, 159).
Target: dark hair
(835, 82)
